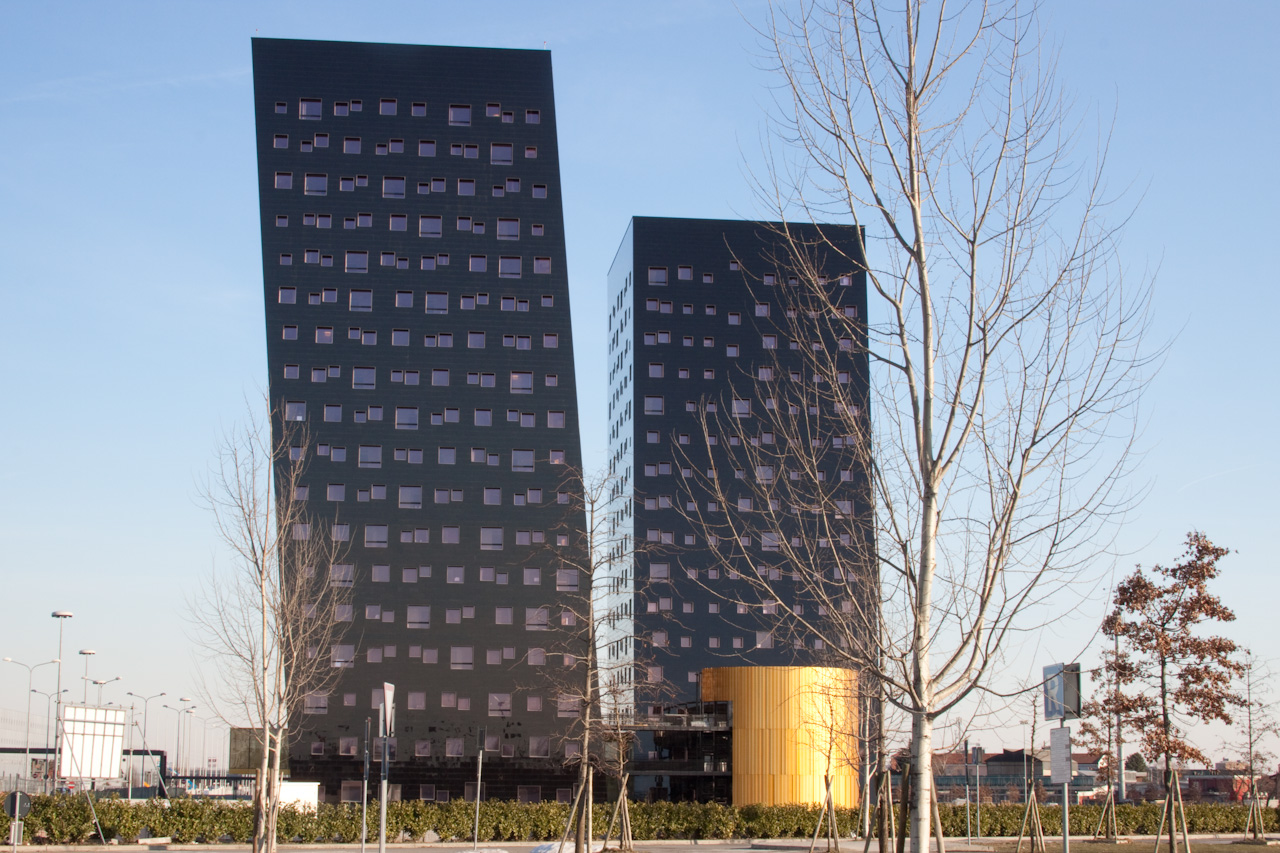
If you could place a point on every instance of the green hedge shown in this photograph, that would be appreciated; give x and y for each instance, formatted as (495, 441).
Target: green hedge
(66, 819)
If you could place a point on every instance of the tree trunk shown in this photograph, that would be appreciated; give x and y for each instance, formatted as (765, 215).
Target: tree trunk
(904, 798)
(273, 793)
(922, 676)
(1170, 795)
(921, 782)
(884, 805)
(260, 796)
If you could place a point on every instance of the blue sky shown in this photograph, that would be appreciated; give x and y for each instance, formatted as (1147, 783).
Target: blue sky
(129, 218)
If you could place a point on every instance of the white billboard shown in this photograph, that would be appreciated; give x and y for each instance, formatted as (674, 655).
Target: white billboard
(92, 742)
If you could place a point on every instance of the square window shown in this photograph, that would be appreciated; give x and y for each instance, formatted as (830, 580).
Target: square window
(357, 262)
(539, 190)
(460, 115)
(491, 538)
(375, 536)
(521, 382)
(509, 267)
(387, 107)
(508, 229)
(541, 266)
(430, 226)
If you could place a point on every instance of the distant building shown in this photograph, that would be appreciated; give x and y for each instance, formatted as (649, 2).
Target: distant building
(695, 330)
(703, 351)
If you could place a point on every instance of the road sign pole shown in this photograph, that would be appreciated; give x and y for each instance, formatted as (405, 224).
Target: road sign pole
(364, 790)
(16, 806)
(386, 726)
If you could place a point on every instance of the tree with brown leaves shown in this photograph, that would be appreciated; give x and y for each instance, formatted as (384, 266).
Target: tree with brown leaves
(1160, 616)
(1103, 721)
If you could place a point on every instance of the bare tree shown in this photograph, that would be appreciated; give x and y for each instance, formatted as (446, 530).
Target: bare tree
(1005, 353)
(1185, 676)
(601, 674)
(1258, 730)
(270, 622)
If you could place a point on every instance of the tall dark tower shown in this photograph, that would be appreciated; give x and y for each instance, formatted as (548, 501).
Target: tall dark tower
(710, 356)
(417, 313)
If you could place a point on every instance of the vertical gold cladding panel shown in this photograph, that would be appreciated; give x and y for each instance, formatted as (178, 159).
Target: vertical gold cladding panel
(792, 725)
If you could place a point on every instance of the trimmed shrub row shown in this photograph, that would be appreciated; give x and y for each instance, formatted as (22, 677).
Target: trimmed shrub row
(66, 819)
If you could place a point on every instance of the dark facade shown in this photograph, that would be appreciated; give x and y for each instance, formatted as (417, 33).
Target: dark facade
(417, 313)
(702, 348)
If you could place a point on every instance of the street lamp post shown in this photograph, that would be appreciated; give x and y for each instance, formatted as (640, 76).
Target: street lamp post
(145, 702)
(62, 616)
(87, 653)
(177, 721)
(48, 721)
(127, 757)
(101, 683)
(202, 762)
(186, 735)
(177, 749)
(146, 707)
(30, 668)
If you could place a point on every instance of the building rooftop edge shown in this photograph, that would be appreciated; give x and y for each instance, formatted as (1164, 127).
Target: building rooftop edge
(400, 45)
